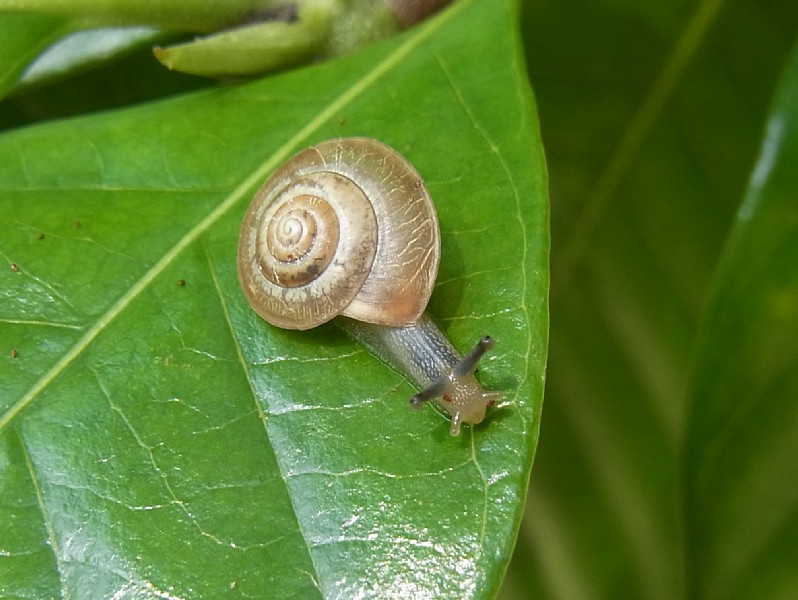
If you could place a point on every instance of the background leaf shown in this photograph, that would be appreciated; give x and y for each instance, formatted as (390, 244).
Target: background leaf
(652, 115)
(742, 487)
(23, 37)
(160, 440)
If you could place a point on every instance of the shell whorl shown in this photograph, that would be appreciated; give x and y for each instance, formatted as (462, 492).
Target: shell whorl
(298, 242)
(345, 227)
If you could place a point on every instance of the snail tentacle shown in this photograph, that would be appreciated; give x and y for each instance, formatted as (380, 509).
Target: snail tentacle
(470, 360)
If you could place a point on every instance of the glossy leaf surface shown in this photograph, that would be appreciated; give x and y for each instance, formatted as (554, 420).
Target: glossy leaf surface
(160, 440)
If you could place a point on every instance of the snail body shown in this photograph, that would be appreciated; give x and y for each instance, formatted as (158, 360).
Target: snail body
(348, 228)
(423, 353)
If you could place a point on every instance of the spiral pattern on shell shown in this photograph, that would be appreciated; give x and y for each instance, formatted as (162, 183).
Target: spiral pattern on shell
(345, 227)
(298, 242)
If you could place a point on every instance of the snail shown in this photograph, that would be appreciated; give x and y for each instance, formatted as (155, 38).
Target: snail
(347, 229)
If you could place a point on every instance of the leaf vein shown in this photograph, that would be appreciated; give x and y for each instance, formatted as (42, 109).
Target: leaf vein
(48, 522)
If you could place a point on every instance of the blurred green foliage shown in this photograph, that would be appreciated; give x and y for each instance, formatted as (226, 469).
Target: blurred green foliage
(665, 467)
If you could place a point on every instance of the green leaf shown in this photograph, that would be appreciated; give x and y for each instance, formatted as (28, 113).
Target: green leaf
(160, 440)
(652, 115)
(22, 38)
(742, 480)
(83, 50)
(319, 29)
(79, 88)
(256, 48)
(181, 15)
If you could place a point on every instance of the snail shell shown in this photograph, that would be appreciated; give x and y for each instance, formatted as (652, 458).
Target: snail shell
(346, 227)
